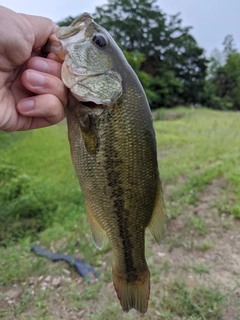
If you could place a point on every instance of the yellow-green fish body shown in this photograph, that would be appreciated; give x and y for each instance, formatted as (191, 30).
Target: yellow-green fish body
(114, 153)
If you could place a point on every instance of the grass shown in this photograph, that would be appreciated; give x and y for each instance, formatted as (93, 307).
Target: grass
(194, 149)
(180, 302)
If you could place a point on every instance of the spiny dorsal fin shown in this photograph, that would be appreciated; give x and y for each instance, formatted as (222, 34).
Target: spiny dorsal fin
(98, 233)
(157, 224)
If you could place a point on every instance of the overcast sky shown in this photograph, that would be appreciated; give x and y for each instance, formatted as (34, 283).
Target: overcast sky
(211, 20)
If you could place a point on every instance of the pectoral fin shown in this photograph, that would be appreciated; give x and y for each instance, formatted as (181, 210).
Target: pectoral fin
(98, 233)
(89, 133)
(157, 223)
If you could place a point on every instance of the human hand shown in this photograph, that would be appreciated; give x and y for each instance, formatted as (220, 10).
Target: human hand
(32, 94)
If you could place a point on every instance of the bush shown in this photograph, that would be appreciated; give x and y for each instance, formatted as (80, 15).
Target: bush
(26, 206)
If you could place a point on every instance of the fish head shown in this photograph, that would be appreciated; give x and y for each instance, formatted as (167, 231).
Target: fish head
(89, 69)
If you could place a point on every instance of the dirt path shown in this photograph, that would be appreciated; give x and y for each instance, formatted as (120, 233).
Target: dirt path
(217, 253)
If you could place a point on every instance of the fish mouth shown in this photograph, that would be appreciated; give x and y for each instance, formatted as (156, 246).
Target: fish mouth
(92, 105)
(85, 18)
(73, 33)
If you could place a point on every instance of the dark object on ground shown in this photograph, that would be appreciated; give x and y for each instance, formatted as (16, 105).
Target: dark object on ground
(84, 269)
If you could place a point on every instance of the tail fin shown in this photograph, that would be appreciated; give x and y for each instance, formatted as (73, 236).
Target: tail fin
(133, 294)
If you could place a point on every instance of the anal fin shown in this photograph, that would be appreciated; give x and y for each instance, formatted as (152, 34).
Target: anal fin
(157, 224)
(98, 233)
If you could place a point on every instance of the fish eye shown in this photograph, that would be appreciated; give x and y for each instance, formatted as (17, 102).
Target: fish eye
(100, 41)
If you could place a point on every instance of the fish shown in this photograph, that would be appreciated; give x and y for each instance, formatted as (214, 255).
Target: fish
(114, 153)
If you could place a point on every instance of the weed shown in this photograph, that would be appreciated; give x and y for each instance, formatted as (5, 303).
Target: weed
(205, 245)
(200, 225)
(200, 268)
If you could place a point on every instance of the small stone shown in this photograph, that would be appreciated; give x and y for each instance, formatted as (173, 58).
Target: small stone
(13, 293)
(81, 313)
(40, 278)
(161, 254)
(56, 282)
(66, 271)
(48, 278)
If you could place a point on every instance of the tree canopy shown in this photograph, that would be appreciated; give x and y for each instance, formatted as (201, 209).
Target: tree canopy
(222, 87)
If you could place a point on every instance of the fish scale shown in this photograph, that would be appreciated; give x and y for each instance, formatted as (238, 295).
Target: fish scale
(114, 153)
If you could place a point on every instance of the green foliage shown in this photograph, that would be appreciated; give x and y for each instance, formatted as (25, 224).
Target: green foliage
(222, 88)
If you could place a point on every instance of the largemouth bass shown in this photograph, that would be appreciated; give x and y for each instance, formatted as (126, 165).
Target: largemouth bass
(114, 153)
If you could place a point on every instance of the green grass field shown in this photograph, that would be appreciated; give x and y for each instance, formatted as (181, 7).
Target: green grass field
(40, 200)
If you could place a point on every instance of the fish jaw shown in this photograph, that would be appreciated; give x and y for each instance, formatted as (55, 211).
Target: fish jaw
(64, 35)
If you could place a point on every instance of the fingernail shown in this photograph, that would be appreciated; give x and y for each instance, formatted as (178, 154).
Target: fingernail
(26, 105)
(35, 79)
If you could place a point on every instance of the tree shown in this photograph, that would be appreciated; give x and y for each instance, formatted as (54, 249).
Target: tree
(172, 55)
(222, 89)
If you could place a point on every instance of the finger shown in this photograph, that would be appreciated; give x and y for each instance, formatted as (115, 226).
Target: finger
(54, 57)
(43, 110)
(43, 83)
(45, 65)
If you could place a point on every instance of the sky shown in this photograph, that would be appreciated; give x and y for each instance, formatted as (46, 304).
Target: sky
(211, 20)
